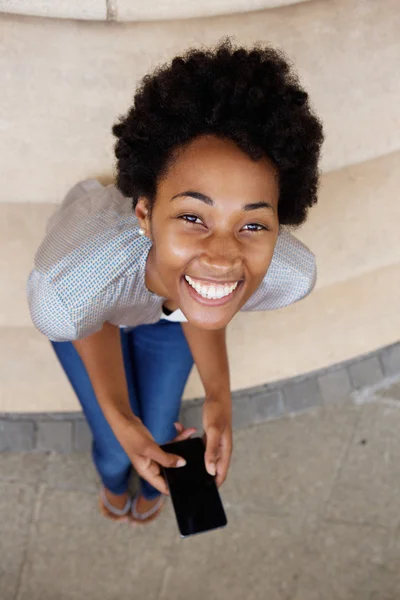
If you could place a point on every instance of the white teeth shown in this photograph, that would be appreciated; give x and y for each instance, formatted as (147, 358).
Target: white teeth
(211, 292)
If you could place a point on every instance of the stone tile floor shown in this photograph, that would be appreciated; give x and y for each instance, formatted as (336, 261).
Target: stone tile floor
(312, 502)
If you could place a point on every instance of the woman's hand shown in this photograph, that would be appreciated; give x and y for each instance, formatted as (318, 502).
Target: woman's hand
(217, 423)
(146, 456)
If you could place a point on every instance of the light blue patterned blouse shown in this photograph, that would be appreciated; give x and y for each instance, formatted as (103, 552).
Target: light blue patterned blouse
(90, 268)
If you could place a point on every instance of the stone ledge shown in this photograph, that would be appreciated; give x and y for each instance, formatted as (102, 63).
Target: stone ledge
(126, 10)
(68, 432)
(94, 10)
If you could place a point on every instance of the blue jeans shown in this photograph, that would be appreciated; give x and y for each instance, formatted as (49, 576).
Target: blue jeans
(157, 363)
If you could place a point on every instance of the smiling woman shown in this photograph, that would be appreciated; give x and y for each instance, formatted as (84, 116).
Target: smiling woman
(217, 154)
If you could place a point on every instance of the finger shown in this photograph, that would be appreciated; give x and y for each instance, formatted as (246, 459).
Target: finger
(224, 459)
(150, 471)
(179, 427)
(164, 459)
(157, 481)
(185, 434)
(213, 439)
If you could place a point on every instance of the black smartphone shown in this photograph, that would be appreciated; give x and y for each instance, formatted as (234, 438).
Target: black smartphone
(194, 493)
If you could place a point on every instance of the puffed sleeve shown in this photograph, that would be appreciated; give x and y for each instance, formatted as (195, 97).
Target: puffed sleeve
(48, 312)
(78, 277)
(291, 276)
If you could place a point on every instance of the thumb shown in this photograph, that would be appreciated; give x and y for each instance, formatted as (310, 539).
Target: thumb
(212, 450)
(165, 459)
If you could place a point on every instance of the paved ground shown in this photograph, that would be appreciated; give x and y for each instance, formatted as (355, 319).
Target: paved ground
(313, 508)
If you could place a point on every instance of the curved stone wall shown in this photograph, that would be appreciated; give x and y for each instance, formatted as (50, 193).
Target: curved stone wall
(63, 84)
(128, 10)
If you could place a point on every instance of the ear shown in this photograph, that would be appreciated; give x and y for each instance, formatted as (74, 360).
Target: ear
(142, 212)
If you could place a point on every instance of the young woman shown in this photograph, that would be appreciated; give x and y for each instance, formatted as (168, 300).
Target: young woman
(134, 282)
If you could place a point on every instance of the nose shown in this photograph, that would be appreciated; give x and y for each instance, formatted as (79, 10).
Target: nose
(221, 255)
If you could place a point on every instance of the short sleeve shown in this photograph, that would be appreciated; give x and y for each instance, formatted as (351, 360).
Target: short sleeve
(86, 268)
(291, 276)
(48, 313)
(62, 323)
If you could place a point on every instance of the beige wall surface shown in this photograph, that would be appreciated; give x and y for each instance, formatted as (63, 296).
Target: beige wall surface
(66, 81)
(63, 84)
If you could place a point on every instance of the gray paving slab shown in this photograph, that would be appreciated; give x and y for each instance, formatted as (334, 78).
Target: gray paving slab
(71, 472)
(192, 416)
(335, 386)
(257, 408)
(367, 488)
(16, 506)
(82, 437)
(254, 558)
(386, 583)
(390, 393)
(18, 436)
(374, 452)
(301, 395)
(290, 465)
(366, 372)
(23, 466)
(54, 436)
(74, 553)
(391, 360)
(375, 503)
(342, 562)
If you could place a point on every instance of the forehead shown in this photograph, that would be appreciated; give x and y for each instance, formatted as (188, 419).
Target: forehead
(219, 168)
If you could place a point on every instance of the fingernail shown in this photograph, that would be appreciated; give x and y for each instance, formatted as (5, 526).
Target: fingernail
(181, 463)
(211, 469)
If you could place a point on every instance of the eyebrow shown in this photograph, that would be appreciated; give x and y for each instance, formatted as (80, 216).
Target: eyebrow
(210, 202)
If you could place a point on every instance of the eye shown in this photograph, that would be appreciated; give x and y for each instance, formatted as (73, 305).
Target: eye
(255, 227)
(191, 219)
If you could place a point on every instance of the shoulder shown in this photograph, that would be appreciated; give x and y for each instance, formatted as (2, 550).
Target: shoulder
(90, 249)
(291, 276)
(91, 240)
(90, 225)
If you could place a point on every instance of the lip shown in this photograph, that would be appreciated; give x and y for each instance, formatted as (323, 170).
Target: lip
(209, 301)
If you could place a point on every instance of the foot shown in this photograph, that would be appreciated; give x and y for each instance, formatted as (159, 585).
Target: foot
(142, 509)
(120, 503)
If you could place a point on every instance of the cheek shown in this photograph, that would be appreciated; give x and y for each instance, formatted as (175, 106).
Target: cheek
(171, 250)
(260, 260)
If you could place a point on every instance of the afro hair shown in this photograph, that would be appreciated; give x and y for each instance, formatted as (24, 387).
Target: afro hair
(249, 96)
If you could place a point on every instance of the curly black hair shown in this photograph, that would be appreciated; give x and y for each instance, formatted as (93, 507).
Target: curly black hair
(249, 96)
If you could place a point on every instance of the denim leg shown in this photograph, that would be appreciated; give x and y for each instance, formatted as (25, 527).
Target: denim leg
(162, 363)
(110, 459)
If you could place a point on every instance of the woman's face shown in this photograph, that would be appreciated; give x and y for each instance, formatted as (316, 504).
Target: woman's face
(214, 227)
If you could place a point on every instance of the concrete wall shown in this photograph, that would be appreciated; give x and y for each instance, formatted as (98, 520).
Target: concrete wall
(127, 10)
(65, 81)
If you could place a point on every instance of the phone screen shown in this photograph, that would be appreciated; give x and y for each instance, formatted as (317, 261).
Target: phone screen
(195, 497)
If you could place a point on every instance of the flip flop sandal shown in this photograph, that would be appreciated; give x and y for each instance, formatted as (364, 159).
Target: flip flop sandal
(111, 512)
(150, 515)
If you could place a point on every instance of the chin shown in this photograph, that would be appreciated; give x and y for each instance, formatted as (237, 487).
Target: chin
(203, 321)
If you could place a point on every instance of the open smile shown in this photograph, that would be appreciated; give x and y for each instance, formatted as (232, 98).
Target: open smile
(211, 293)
